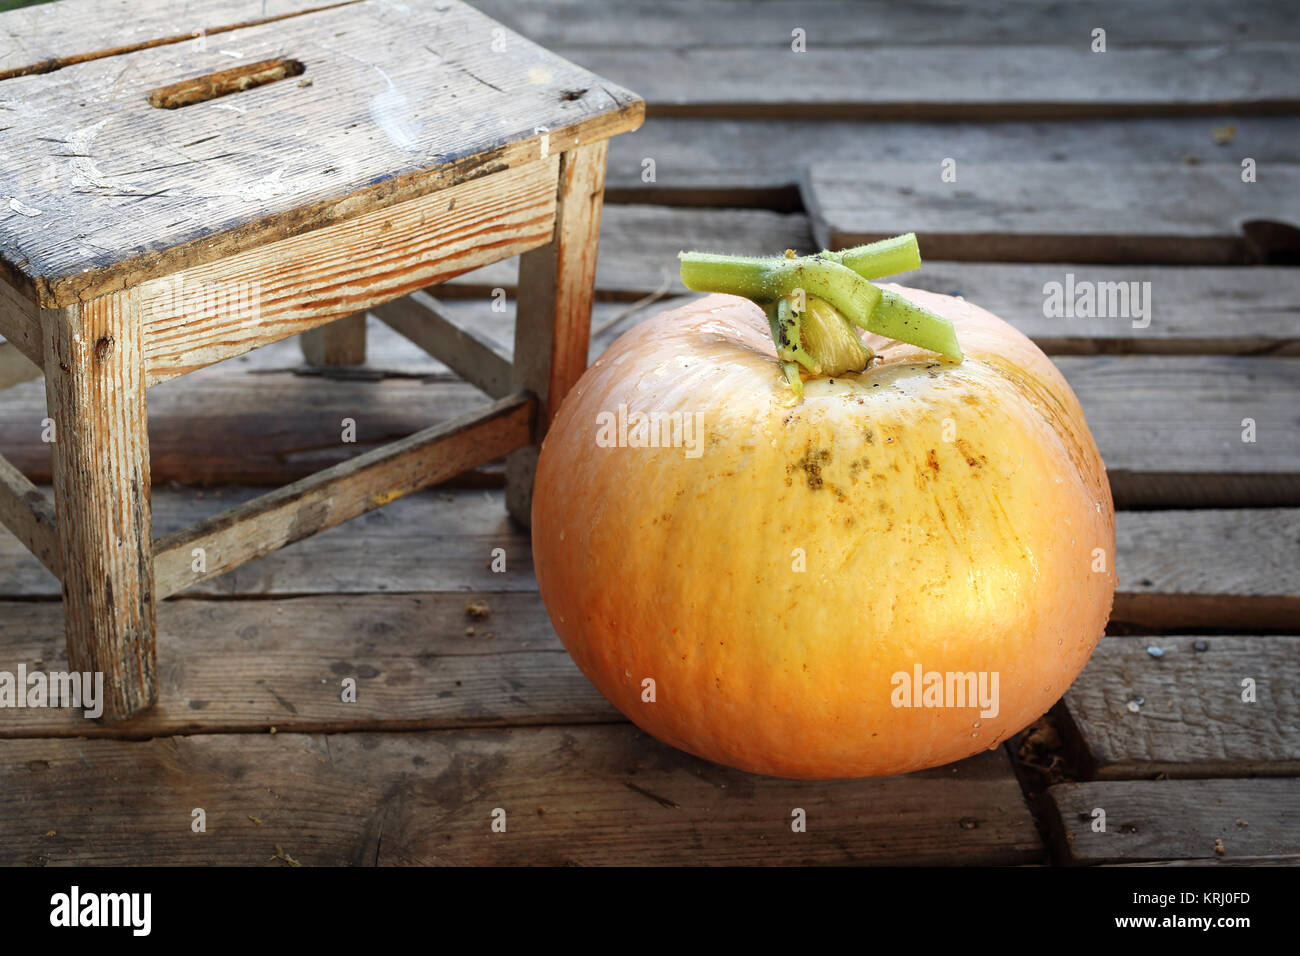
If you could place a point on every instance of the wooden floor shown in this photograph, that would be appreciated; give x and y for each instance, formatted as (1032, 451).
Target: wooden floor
(1121, 166)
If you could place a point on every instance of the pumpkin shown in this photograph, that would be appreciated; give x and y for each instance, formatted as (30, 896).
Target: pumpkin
(899, 568)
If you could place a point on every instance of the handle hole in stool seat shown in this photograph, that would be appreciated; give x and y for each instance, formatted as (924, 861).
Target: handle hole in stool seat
(200, 89)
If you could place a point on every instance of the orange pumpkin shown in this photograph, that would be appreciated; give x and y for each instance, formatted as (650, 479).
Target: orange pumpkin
(904, 568)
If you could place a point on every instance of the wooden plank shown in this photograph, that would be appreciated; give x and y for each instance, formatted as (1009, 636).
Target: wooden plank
(341, 342)
(261, 427)
(379, 118)
(444, 541)
(20, 322)
(553, 314)
(1169, 427)
(1172, 429)
(15, 367)
(332, 496)
(282, 664)
(212, 312)
(434, 541)
(29, 515)
(721, 24)
(580, 795)
(750, 162)
(50, 36)
(1182, 714)
(95, 390)
(1176, 819)
(420, 318)
(1053, 212)
(965, 82)
(1208, 310)
(639, 246)
(1237, 570)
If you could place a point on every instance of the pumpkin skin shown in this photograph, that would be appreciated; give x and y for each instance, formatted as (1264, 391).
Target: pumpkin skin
(972, 554)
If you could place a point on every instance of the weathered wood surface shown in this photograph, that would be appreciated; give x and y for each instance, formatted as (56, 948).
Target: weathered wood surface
(751, 162)
(1061, 212)
(677, 24)
(464, 347)
(249, 665)
(1177, 569)
(553, 313)
(28, 514)
(1170, 428)
(20, 323)
(365, 799)
(958, 82)
(260, 427)
(95, 391)
(1182, 714)
(432, 541)
(341, 342)
(49, 36)
(1176, 820)
(330, 497)
(639, 246)
(1208, 310)
(1237, 570)
(1176, 431)
(215, 311)
(378, 118)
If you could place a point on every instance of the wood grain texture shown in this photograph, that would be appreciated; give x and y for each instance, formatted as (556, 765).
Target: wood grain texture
(553, 313)
(1190, 718)
(443, 541)
(639, 246)
(1206, 310)
(1059, 212)
(1169, 427)
(1176, 819)
(1236, 570)
(95, 390)
(29, 515)
(20, 322)
(332, 496)
(474, 357)
(51, 36)
(341, 342)
(1172, 429)
(243, 423)
(720, 24)
(582, 795)
(392, 106)
(966, 82)
(427, 542)
(212, 312)
(248, 665)
(750, 162)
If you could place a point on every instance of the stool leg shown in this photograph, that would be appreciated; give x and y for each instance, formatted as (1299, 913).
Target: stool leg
(342, 342)
(95, 391)
(553, 317)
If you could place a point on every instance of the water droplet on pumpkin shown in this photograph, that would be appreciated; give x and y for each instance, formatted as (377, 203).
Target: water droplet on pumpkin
(976, 734)
(976, 724)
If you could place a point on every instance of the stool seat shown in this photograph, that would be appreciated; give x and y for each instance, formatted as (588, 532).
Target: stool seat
(180, 187)
(353, 108)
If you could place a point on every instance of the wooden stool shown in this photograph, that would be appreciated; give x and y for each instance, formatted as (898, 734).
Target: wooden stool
(183, 196)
